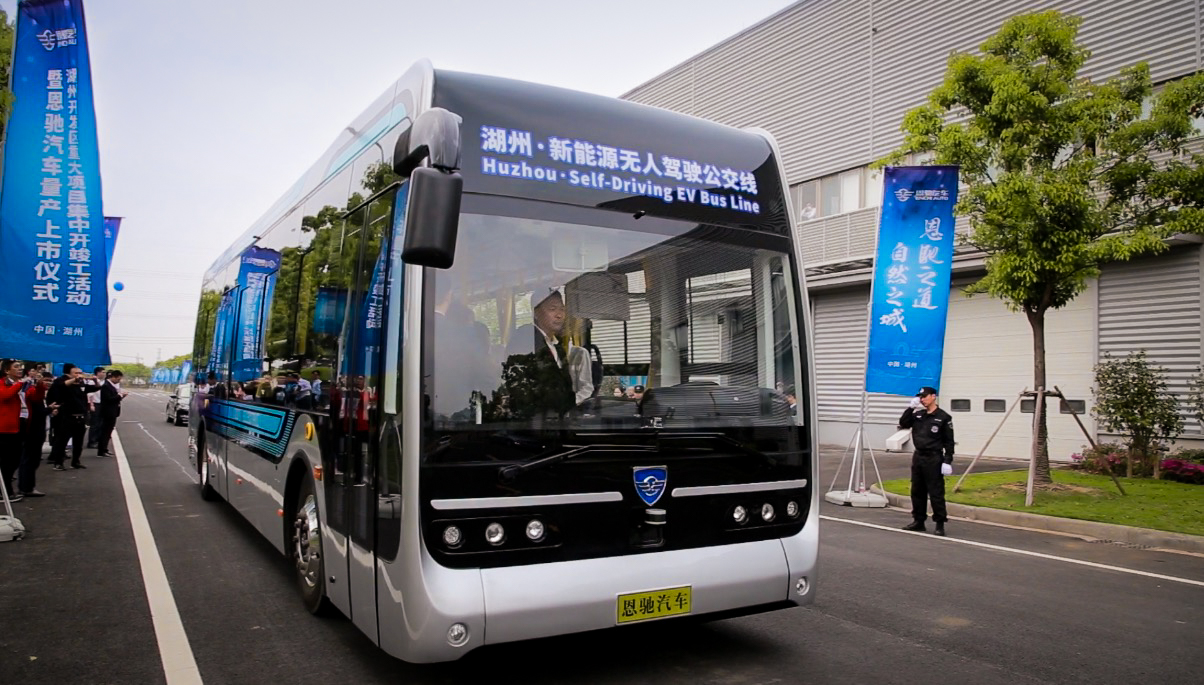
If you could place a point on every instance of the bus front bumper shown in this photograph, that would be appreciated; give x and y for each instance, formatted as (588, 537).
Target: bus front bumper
(525, 602)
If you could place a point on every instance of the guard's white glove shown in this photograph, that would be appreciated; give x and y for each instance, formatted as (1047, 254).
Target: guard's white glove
(946, 469)
(915, 403)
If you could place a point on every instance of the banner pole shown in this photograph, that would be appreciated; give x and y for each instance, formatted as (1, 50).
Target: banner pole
(860, 497)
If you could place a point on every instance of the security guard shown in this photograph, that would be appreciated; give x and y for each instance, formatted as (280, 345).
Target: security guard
(932, 437)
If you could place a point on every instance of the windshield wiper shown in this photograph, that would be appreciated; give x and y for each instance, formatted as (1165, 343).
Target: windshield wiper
(512, 471)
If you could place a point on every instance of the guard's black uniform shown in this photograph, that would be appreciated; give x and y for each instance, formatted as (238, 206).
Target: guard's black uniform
(932, 438)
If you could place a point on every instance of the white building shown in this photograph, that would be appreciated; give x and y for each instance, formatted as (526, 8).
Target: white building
(832, 79)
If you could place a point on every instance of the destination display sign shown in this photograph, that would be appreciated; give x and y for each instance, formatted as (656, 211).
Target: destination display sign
(526, 140)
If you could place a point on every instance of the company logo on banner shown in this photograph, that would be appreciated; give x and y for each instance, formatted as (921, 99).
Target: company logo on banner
(911, 279)
(51, 221)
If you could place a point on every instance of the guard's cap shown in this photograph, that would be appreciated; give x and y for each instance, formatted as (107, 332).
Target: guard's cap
(926, 390)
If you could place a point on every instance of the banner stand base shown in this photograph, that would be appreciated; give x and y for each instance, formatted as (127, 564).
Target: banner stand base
(859, 496)
(855, 499)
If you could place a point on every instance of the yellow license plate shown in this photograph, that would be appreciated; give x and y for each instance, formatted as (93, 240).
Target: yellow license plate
(642, 606)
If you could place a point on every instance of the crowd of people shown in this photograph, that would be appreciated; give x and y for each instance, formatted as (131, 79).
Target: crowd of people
(75, 410)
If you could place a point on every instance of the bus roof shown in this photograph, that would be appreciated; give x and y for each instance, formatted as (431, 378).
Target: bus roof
(556, 144)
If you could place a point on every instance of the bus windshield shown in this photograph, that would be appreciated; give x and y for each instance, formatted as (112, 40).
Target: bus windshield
(557, 319)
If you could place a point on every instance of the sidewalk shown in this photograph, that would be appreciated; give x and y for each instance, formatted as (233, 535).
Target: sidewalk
(895, 465)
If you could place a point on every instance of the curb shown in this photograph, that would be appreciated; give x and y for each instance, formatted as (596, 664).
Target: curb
(1105, 532)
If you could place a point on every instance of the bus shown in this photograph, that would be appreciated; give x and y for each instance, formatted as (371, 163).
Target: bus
(512, 361)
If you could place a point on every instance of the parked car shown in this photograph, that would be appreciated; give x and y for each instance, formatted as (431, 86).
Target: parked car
(177, 404)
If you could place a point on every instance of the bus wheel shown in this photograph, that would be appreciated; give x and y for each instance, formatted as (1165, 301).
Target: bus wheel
(207, 492)
(307, 549)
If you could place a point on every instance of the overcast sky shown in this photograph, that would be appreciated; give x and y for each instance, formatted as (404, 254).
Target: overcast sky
(207, 112)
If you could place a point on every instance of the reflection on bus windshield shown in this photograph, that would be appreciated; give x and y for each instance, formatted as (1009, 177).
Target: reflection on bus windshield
(540, 322)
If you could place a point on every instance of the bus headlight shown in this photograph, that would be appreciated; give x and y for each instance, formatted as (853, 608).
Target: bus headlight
(740, 515)
(452, 537)
(792, 509)
(535, 530)
(495, 534)
(767, 512)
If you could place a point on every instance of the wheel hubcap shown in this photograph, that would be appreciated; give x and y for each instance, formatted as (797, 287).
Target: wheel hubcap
(307, 542)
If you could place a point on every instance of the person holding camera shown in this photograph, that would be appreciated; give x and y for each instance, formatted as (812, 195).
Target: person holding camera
(932, 437)
(70, 392)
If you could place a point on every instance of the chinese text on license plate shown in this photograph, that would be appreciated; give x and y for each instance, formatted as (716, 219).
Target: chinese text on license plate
(641, 606)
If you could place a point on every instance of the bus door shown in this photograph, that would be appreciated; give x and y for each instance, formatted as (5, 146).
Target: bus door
(358, 419)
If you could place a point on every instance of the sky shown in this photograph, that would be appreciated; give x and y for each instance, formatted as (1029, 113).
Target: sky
(208, 112)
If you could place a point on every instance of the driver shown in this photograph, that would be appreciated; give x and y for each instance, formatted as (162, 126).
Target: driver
(552, 367)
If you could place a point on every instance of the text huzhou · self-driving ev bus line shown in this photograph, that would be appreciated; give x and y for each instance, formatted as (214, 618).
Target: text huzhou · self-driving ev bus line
(512, 361)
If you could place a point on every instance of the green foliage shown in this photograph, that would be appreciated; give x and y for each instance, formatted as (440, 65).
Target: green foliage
(1062, 174)
(1155, 504)
(1105, 457)
(1132, 398)
(7, 35)
(132, 371)
(174, 362)
(1195, 456)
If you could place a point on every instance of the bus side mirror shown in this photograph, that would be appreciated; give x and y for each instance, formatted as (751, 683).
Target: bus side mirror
(432, 218)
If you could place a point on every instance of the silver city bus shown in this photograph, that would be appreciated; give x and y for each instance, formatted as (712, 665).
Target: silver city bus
(512, 361)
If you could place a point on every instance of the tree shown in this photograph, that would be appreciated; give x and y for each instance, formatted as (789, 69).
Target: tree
(6, 56)
(173, 362)
(132, 371)
(1062, 174)
(1131, 397)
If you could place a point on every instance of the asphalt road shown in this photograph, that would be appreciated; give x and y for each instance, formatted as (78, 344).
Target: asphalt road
(892, 607)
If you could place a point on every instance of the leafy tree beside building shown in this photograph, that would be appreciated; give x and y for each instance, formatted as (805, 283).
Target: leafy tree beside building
(1061, 174)
(7, 35)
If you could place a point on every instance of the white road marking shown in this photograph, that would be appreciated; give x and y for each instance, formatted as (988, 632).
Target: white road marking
(1027, 553)
(179, 665)
(167, 452)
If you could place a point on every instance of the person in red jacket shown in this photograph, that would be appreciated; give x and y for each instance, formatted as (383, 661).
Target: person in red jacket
(10, 423)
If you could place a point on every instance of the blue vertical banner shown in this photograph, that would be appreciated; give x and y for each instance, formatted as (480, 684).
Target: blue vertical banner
(219, 357)
(912, 269)
(112, 225)
(256, 282)
(51, 220)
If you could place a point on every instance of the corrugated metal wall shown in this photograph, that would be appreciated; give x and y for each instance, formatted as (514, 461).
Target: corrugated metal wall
(831, 79)
(1154, 304)
(840, 341)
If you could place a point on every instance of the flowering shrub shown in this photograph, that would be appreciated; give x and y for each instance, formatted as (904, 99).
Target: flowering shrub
(1195, 456)
(1183, 471)
(1104, 457)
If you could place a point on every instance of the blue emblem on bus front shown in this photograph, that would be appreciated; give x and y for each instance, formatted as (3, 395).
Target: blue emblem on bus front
(650, 482)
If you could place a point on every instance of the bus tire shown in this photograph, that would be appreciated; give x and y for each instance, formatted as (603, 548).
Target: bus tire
(306, 552)
(208, 493)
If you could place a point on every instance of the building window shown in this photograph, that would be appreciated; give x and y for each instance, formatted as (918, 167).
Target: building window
(1074, 407)
(995, 406)
(1028, 406)
(807, 200)
(840, 193)
(873, 191)
(959, 405)
(830, 195)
